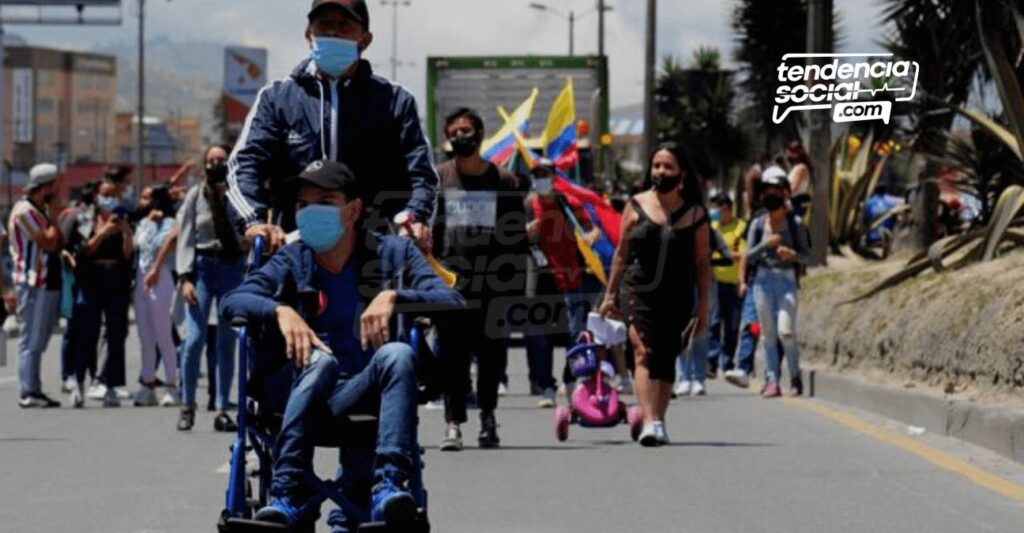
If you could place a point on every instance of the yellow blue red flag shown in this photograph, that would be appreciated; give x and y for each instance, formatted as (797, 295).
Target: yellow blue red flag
(500, 146)
(559, 137)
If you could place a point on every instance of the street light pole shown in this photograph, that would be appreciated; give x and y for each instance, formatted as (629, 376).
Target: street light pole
(572, 30)
(394, 33)
(600, 28)
(649, 110)
(140, 159)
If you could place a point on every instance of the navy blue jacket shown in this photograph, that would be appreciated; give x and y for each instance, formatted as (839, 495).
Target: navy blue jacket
(384, 263)
(379, 137)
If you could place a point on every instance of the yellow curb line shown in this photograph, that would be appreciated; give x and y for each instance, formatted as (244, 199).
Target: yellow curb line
(942, 460)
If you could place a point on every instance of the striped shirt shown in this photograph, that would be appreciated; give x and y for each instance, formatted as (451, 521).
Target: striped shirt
(29, 259)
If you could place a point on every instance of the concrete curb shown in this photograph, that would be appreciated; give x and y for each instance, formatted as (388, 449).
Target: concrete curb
(998, 429)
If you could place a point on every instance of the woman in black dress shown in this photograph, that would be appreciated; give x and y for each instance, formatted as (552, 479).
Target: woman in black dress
(662, 259)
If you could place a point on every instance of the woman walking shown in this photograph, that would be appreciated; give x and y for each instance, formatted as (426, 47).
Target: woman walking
(778, 246)
(662, 261)
(153, 299)
(209, 263)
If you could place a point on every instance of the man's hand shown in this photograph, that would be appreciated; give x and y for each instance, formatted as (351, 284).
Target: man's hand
(421, 235)
(151, 279)
(298, 336)
(774, 240)
(272, 234)
(374, 322)
(742, 290)
(188, 292)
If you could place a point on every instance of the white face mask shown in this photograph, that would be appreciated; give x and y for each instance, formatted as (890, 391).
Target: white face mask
(542, 185)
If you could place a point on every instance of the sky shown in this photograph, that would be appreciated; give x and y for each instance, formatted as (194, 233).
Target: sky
(453, 27)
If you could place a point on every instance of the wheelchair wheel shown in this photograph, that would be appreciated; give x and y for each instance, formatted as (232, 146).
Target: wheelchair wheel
(562, 418)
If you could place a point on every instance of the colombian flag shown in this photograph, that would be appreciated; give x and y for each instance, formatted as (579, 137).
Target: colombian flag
(500, 147)
(559, 137)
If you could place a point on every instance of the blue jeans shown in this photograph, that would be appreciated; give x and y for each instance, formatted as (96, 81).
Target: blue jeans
(37, 313)
(102, 301)
(214, 278)
(725, 325)
(775, 295)
(747, 342)
(692, 364)
(386, 386)
(540, 355)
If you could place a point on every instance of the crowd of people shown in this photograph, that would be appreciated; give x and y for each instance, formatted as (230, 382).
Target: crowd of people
(697, 287)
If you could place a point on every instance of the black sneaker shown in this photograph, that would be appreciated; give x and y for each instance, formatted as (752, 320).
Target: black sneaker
(796, 386)
(223, 423)
(488, 431)
(187, 418)
(45, 401)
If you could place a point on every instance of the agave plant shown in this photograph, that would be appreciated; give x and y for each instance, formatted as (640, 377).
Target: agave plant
(1006, 224)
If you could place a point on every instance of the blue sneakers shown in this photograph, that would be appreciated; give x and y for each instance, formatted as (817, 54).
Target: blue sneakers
(393, 505)
(278, 512)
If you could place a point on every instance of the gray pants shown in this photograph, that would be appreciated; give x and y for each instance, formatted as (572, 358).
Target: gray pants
(37, 315)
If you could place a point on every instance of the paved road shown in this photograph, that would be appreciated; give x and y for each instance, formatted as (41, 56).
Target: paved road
(738, 463)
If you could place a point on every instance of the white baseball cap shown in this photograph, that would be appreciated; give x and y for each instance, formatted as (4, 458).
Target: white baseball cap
(40, 175)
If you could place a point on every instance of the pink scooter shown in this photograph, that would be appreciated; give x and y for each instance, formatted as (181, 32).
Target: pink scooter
(595, 403)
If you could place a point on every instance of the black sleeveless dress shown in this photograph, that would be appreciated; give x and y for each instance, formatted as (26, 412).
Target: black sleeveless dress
(659, 284)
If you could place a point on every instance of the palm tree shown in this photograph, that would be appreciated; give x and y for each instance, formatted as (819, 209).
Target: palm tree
(765, 31)
(696, 109)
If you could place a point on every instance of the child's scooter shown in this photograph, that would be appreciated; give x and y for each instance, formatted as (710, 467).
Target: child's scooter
(594, 403)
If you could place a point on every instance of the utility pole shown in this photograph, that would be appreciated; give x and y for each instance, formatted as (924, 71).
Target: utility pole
(600, 28)
(394, 33)
(650, 130)
(572, 31)
(140, 160)
(819, 41)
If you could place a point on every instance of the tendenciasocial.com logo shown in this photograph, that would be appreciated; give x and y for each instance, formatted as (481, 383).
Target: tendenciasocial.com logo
(840, 86)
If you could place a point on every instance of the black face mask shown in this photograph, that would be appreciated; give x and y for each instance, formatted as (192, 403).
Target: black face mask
(773, 202)
(464, 145)
(665, 184)
(49, 198)
(216, 173)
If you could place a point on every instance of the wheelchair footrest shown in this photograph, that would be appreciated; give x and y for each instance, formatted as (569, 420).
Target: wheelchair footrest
(422, 525)
(241, 525)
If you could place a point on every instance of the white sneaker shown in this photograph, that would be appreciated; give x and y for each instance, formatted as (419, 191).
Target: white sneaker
(660, 433)
(502, 389)
(145, 397)
(69, 385)
(682, 388)
(122, 393)
(648, 437)
(171, 398)
(548, 401)
(697, 388)
(738, 377)
(97, 392)
(434, 405)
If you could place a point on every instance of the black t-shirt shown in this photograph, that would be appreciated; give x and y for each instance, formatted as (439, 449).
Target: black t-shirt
(481, 231)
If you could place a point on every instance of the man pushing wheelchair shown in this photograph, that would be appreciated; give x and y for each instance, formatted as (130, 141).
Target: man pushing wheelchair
(332, 303)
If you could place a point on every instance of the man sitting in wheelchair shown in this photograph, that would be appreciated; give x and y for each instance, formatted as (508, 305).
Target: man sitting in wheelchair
(333, 297)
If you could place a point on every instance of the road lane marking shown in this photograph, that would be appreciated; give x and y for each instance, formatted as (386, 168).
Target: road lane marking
(938, 458)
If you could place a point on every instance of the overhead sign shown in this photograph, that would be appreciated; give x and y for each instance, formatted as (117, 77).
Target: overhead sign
(21, 105)
(245, 73)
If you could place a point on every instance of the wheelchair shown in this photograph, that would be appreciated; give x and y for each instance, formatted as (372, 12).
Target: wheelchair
(257, 432)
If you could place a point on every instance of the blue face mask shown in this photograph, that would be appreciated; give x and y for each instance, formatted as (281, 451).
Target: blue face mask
(715, 215)
(334, 56)
(542, 185)
(320, 226)
(107, 203)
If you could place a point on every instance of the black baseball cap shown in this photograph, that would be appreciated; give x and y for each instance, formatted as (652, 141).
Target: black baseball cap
(331, 176)
(355, 8)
